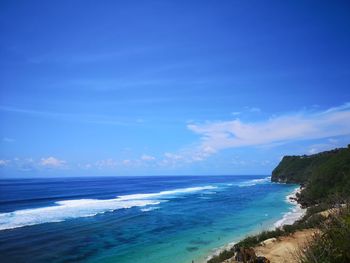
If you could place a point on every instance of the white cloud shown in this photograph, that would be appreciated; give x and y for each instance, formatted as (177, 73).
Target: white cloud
(52, 162)
(85, 166)
(254, 109)
(313, 151)
(146, 157)
(265, 162)
(173, 156)
(4, 162)
(24, 164)
(246, 110)
(329, 144)
(187, 155)
(301, 126)
(345, 106)
(126, 162)
(107, 163)
(238, 162)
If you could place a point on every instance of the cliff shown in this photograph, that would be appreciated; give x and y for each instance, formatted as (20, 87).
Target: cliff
(324, 174)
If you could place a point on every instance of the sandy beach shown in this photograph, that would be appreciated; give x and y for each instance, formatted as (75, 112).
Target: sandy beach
(282, 250)
(296, 213)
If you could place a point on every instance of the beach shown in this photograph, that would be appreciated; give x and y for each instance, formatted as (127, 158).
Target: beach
(296, 213)
(283, 248)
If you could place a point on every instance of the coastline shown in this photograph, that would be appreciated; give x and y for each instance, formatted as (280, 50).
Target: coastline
(288, 218)
(297, 212)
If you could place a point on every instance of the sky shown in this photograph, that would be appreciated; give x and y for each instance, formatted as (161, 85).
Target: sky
(102, 88)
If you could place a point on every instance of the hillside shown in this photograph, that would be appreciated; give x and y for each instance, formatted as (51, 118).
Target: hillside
(324, 175)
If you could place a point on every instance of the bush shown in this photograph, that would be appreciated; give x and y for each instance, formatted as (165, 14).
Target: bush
(332, 243)
(226, 254)
(311, 220)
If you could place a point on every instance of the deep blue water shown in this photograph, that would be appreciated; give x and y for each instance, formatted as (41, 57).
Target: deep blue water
(154, 219)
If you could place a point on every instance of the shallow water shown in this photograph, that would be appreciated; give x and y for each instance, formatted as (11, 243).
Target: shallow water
(156, 219)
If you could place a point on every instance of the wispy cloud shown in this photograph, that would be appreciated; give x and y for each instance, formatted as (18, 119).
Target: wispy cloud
(253, 109)
(106, 163)
(323, 126)
(4, 162)
(246, 110)
(272, 132)
(146, 157)
(127, 162)
(111, 163)
(30, 164)
(345, 106)
(52, 162)
(186, 155)
(220, 135)
(300, 126)
(85, 118)
(328, 144)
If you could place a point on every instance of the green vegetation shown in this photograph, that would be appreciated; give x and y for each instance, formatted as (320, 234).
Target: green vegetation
(332, 243)
(324, 175)
(326, 180)
(310, 220)
(226, 254)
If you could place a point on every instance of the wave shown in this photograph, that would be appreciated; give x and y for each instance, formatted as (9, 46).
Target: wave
(147, 209)
(69, 209)
(255, 182)
(296, 212)
(166, 193)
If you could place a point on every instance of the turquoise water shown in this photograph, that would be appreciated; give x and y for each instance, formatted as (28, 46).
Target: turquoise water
(154, 219)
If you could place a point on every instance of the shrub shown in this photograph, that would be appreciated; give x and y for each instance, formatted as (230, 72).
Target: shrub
(332, 244)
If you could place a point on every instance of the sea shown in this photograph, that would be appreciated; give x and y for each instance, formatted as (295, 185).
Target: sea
(146, 219)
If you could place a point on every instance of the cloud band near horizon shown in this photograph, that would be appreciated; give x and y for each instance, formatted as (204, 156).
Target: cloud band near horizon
(220, 135)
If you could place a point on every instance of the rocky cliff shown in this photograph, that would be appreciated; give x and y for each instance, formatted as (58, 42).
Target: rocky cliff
(324, 174)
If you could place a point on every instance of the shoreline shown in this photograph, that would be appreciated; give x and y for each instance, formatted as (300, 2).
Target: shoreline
(288, 218)
(297, 212)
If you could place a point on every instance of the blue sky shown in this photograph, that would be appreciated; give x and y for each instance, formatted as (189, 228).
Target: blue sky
(93, 88)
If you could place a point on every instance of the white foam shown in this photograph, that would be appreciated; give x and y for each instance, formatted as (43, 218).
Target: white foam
(296, 212)
(69, 209)
(255, 182)
(148, 209)
(66, 210)
(166, 193)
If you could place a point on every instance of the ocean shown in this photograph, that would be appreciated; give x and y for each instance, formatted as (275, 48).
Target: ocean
(159, 219)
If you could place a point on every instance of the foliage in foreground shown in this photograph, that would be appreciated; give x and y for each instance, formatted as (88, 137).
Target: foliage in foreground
(332, 243)
(310, 220)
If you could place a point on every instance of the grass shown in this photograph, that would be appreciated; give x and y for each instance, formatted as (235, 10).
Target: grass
(311, 219)
(332, 243)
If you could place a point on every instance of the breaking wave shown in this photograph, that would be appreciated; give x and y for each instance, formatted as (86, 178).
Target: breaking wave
(296, 212)
(255, 182)
(69, 209)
